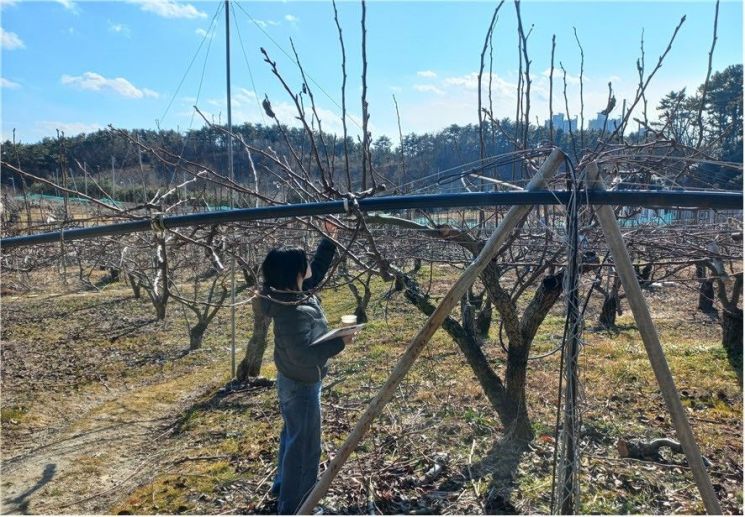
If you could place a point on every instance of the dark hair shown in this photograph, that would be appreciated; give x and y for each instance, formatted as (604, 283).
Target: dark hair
(282, 266)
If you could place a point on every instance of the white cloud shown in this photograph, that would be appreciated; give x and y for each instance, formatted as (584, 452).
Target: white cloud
(5, 83)
(10, 40)
(559, 76)
(119, 28)
(470, 82)
(455, 102)
(69, 5)
(8, 3)
(70, 128)
(170, 9)
(292, 19)
(96, 82)
(203, 33)
(426, 73)
(428, 88)
(266, 23)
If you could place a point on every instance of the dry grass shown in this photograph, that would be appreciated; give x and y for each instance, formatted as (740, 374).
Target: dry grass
(220, 453)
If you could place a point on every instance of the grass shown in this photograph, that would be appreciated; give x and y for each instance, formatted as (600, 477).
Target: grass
(221, 455)
(13, 415)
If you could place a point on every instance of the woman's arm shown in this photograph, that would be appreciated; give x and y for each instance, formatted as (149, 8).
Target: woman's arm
(320, 264)
(297, 336)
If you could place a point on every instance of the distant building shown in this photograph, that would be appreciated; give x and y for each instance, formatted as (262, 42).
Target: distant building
(597, 124)
(560, 122)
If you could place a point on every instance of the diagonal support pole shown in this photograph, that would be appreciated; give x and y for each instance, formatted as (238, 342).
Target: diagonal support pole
(651, 341)
(514, 216)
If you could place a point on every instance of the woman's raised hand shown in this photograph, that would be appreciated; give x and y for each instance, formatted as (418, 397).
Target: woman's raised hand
(331, 227)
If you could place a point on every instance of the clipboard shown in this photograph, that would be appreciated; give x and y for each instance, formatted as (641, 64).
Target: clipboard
(340, 332)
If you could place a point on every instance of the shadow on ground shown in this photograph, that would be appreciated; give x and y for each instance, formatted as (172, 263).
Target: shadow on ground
(19, 504)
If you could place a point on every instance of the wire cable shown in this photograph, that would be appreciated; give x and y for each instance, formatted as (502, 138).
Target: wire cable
(191, 63)
(291, 58)
(245, 58)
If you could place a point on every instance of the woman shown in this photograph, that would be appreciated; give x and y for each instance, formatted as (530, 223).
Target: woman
(298, 321)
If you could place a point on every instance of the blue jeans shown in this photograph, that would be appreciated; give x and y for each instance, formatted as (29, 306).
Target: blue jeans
(299, 443)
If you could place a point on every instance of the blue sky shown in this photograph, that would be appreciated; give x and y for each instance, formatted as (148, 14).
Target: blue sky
(81, 65)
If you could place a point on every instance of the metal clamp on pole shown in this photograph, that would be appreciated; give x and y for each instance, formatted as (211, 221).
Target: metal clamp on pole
(157, 223)
(355, 205)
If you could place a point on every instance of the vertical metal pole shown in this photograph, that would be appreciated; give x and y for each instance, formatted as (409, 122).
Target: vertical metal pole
(568, 491)
(651, 341)
(232, 193)
(113, 179)
(142, 171)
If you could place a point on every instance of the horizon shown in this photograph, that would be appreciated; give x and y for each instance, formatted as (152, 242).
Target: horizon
(80, 66)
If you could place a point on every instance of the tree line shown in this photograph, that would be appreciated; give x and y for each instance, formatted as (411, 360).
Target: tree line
(715, 125)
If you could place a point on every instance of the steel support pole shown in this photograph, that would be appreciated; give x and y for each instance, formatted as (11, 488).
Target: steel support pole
(232, 193)
(492, 246)
(651, 340)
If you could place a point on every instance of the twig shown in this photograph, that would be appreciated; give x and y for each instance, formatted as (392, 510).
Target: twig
(344, 98)
(551, 93)
(705, 87)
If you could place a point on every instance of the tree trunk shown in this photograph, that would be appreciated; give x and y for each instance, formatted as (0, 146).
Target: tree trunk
(483, 320)
(135, 285)
(361, 313)
(196, 334)
(705, 290)
(160, 309)
(608, 312)
(362, 299)
(732, 337)
(706, 296)
(644, 275)
(488, 379)
(250, 365)
(508, 402)
(514, 414)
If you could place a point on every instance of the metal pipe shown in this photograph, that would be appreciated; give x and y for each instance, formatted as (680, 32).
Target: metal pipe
(650, 199)
(232, 192)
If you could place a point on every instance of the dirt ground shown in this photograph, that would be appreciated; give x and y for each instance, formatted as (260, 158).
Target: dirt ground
(90, 386)
(104, 412)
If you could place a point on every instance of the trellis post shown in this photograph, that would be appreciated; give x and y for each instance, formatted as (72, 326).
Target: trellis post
(651, 340)
(493, 244)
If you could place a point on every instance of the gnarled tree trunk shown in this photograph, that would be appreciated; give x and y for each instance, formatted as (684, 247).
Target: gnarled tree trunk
(705, 290)
(250, 365)
(732, 336)
(135, 284)
(507, 398)
(196, 334)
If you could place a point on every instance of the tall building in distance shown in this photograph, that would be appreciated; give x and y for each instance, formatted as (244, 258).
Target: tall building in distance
(561, 123)
(597, 124)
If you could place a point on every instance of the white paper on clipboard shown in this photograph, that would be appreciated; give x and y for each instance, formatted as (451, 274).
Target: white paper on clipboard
(341, 332)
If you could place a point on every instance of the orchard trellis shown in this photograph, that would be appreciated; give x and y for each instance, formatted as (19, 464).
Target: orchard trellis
(568, 486)
(291, 188)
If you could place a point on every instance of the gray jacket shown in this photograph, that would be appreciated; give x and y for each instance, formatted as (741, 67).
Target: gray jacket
(298, 321)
